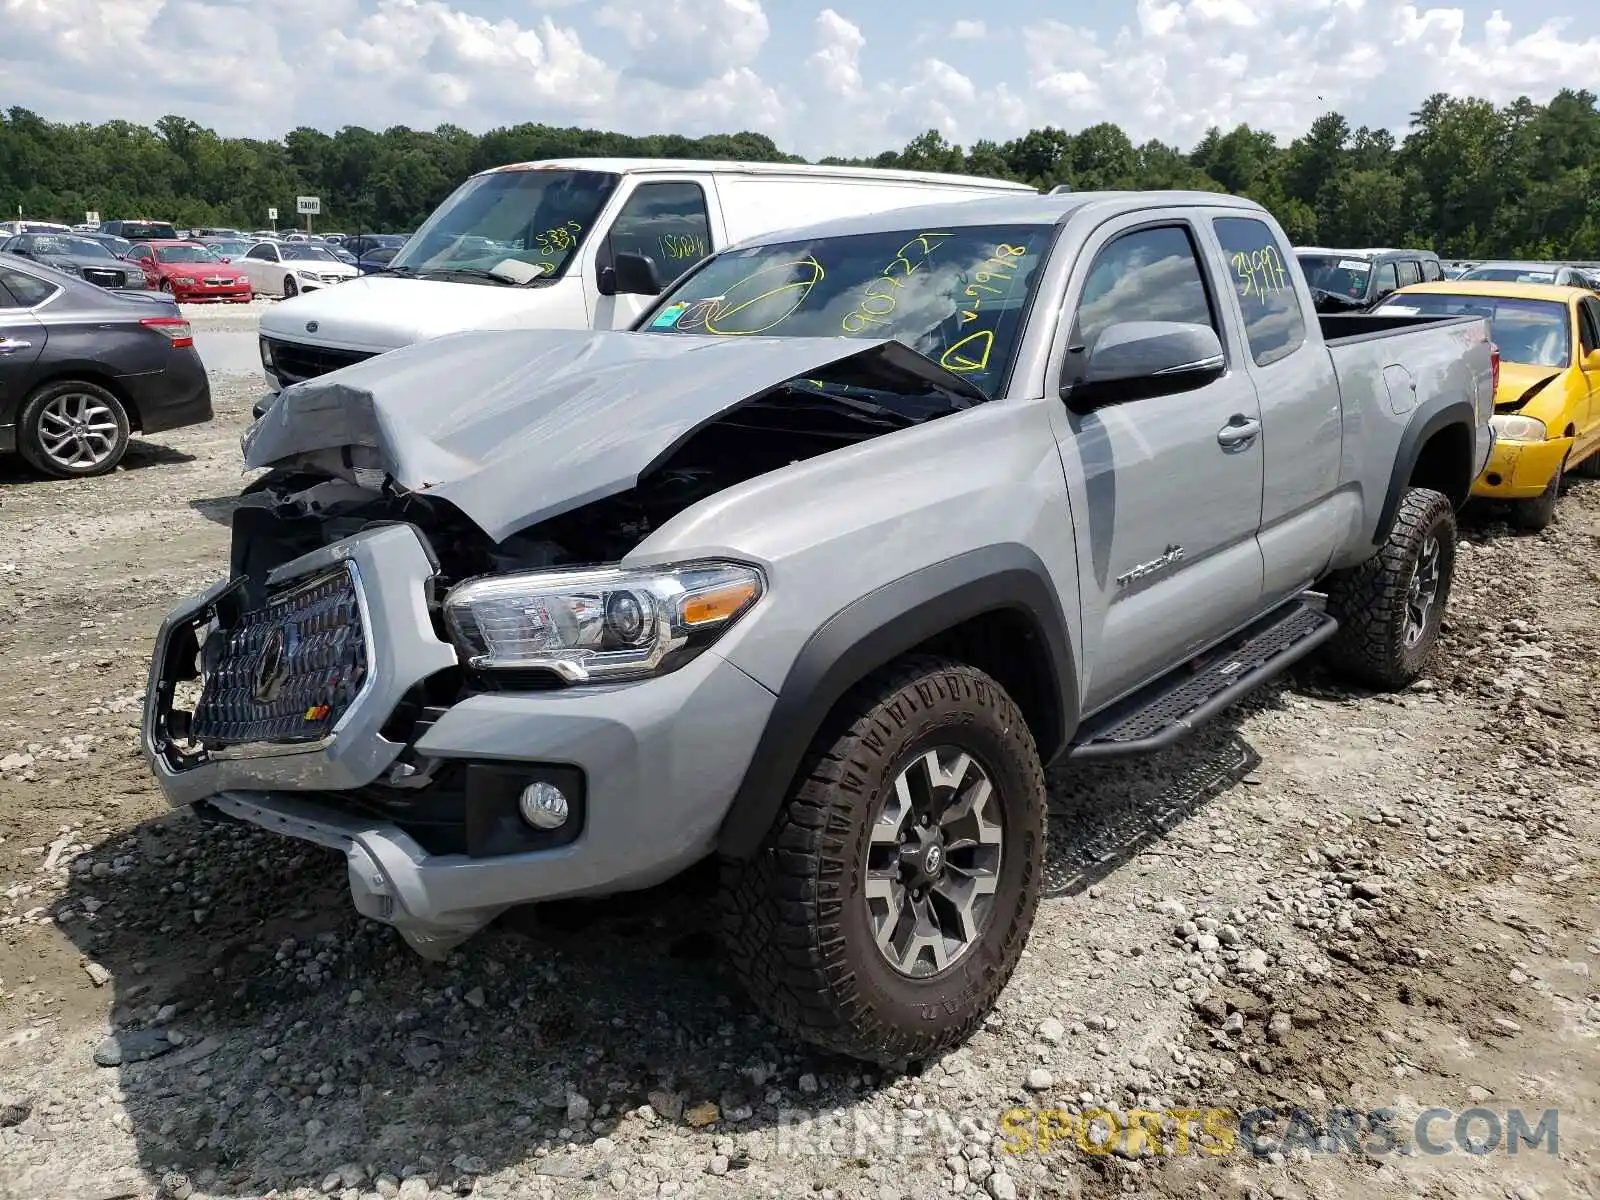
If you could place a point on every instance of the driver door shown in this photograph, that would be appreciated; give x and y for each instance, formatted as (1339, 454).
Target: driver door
(674, 222)
(1167, 521)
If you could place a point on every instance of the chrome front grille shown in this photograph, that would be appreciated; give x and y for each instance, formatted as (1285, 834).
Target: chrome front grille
(216, 282)
(288, 671)
(104, 278)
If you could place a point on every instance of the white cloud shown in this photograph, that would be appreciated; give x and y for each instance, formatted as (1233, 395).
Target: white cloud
(685, 42)
(863, 84)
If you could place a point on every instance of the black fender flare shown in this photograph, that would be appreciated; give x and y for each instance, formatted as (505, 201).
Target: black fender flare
(1433, 415)
(880, 627)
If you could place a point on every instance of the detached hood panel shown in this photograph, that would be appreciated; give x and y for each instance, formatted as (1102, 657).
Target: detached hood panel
(514, 427)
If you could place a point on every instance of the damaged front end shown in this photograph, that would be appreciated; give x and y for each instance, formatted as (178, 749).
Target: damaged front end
(305, 694)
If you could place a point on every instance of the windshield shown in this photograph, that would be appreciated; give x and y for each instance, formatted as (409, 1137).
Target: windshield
(1336, 273)
(1535, 333)
(305, 252)
(143, 231)
(533, 217)
(67, 247)
(231, 249)
(184, 254)
(1510, 275)
(956, 296)
(117, 245)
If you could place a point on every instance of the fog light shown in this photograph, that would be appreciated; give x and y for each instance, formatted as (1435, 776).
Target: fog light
(543, 805)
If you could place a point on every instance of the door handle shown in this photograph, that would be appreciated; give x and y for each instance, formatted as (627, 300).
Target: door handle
(9, 346)
(1239, 431)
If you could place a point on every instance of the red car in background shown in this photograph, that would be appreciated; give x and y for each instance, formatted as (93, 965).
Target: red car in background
(190, 271)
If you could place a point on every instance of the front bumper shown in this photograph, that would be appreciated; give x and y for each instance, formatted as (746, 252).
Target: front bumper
(236, 292)
(1521, 470)
(661, 761)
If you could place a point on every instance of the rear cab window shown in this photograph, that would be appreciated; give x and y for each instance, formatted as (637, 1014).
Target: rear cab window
(1274, 323)
(1410, 271)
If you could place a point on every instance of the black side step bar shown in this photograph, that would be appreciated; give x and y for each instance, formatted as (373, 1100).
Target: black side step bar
(1168, 710)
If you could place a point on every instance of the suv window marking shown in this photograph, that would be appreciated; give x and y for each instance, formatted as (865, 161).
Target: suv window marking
(1274, 322)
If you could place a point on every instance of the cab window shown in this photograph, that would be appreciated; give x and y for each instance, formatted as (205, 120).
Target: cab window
(1274, 323)
(1410, 272)
(1386, 280)
(1431, 271)
(666, 223)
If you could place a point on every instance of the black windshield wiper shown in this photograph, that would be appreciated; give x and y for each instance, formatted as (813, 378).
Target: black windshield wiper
(465, 273)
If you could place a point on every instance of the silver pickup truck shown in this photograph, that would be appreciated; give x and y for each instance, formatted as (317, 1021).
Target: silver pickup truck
(814, 571)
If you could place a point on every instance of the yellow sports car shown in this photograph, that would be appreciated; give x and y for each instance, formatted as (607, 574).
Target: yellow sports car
(1547, 405)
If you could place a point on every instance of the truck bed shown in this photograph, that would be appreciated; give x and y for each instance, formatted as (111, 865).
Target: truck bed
(1343, 328)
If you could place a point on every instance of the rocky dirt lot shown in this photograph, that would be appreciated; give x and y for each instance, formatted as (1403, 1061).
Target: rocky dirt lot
(1329, 901)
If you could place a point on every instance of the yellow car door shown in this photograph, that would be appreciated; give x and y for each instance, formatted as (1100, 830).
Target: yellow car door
(1588, 417)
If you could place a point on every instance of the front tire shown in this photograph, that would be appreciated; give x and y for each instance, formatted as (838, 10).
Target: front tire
(1390, 608)
(895, 891)
(72, 430)
(291, 289)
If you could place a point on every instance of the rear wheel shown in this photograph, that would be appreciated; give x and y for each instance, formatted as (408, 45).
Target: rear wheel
(1390, 608)
(892, 899)
(72, 429)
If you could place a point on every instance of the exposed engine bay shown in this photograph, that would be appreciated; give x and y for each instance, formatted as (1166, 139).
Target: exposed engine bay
(300, 506)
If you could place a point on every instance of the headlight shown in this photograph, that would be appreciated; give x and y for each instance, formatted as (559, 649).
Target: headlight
(185, 280)
(266, 353)
(311, 275)
(1509, 427)
(599, 623)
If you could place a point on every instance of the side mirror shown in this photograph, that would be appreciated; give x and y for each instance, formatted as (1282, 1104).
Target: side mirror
(1132, 360)
(630, 275)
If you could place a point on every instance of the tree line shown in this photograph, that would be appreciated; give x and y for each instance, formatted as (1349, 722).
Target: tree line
(1468, 178)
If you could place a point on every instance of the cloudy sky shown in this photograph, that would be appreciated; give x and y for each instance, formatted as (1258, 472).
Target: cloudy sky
(853, 78)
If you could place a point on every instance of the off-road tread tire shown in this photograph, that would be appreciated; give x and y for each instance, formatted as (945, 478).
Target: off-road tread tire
(1539, 514)
(1369, 600)
(781, 908)
(28, 429)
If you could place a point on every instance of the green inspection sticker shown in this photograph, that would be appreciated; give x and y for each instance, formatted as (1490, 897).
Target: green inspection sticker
(669, 316)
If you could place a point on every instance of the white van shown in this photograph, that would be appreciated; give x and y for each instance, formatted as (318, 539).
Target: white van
(558, 245)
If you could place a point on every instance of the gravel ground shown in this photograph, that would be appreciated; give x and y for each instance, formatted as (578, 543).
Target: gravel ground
(1326, 899)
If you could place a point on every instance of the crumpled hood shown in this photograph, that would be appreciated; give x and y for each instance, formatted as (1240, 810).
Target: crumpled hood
(1517, 380)
(513, 427)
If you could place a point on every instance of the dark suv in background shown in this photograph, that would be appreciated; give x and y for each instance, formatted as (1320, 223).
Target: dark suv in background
(1354, 279)
(141, 231)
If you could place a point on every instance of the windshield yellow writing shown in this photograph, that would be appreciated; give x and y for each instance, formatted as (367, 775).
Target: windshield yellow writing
(995, 276)
(758, 303)
(879, 296)
(1259, 272)
(560, 239)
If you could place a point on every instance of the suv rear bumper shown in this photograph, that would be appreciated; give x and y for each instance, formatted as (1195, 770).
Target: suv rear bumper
(661, 761)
